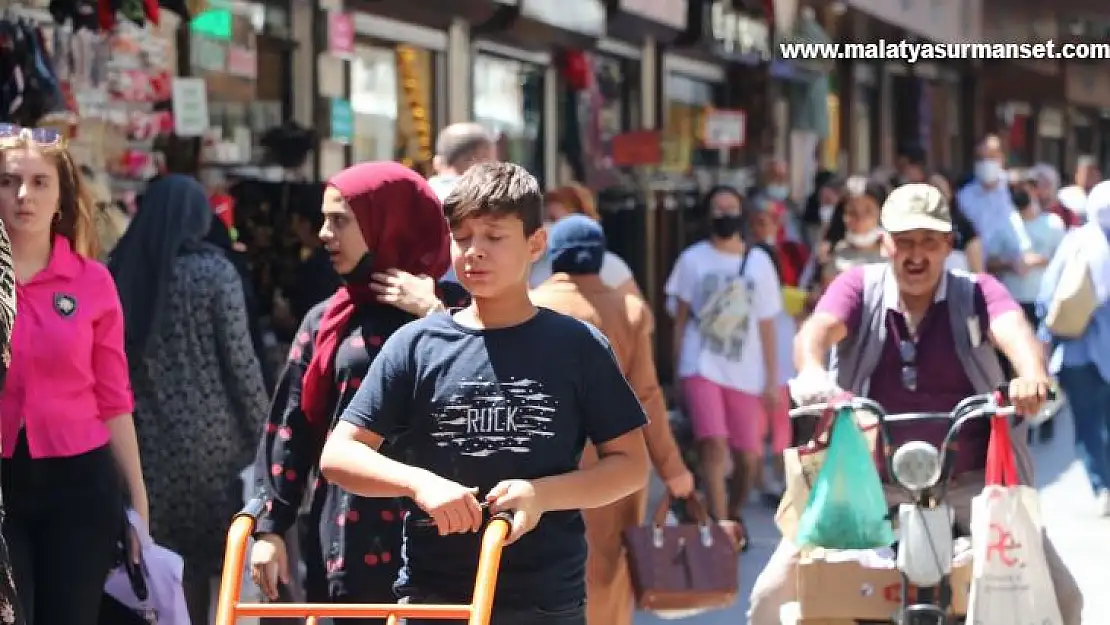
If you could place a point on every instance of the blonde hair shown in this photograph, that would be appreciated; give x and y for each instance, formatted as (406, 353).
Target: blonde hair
(577, 198)
(76, 206)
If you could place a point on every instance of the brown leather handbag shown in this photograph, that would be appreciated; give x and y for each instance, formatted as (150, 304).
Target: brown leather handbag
(681, 570)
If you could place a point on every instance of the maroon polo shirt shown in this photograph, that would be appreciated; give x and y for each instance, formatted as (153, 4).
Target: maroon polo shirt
(941, 381)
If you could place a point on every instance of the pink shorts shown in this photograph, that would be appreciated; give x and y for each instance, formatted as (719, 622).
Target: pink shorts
(720, 412)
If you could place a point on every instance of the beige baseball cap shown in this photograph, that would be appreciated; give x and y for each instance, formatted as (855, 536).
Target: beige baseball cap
(916, 206)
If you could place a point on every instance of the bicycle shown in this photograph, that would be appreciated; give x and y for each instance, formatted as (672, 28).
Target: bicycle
(926, 545)
(478, 612)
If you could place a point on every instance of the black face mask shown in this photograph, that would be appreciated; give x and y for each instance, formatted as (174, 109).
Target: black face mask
(726, 226)
(361, 272)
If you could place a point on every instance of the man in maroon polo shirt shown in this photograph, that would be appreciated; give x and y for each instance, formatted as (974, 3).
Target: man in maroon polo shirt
(924, 363)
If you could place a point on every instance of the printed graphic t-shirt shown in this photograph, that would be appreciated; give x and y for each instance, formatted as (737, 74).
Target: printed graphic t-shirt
(482, 406)
(700, 272)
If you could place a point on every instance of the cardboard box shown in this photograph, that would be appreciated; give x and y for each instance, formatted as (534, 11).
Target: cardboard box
(847, 590)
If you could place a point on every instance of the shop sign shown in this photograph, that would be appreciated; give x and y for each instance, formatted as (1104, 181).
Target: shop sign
(581, 16)
(190, 107)
(342, 121)
(635, 149)
(725, 129)
(670, 13)
(341, 34)
(207, 55)
(242, 62)
(737, 33)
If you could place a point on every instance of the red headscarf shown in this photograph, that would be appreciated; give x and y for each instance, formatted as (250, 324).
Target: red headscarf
(403, 225)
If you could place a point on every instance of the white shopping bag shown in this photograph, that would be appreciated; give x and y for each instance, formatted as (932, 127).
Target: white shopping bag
(1010, 582)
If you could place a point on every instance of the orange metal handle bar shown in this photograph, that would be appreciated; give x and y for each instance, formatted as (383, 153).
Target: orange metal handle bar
(231, 582)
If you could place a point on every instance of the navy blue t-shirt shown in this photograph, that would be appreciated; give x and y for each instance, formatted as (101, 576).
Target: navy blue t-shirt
(481, 406)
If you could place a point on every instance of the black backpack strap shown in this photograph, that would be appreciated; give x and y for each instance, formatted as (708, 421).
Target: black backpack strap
(744, 260)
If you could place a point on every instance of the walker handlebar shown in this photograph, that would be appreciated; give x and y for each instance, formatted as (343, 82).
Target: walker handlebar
(478, 612)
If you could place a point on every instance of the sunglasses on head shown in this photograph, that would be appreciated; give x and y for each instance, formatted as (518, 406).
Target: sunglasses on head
(44, 138)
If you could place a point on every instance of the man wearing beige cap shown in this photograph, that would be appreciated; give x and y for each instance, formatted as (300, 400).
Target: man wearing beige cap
(916, 337)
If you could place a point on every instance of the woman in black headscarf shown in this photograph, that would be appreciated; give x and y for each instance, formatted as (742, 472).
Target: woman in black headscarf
(199, 394)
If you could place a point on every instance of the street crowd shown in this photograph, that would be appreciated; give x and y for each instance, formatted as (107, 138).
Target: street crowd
(439, 370)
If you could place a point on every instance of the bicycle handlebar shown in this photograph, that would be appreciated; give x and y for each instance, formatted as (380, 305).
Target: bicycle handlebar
(975, 407)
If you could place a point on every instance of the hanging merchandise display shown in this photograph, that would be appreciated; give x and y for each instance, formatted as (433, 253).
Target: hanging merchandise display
(121, 80)
(30, 92)
(100, 71)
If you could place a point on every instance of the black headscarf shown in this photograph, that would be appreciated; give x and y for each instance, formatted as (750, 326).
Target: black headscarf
(173, 219)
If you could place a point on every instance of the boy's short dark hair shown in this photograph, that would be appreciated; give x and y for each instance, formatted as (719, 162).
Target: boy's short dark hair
(497, 190)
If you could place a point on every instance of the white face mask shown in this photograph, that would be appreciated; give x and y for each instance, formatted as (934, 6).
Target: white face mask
(988, 172)
(825, 212)
(866, 239)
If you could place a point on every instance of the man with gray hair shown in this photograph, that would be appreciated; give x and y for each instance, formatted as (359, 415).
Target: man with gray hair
(458, 147)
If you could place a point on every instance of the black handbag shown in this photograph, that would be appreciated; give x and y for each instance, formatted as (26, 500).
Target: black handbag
(114, 612)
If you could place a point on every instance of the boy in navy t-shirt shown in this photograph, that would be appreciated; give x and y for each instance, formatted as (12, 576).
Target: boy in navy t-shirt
(494, 404)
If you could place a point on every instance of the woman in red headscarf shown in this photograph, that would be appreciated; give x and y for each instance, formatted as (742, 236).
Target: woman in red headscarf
(377, 217)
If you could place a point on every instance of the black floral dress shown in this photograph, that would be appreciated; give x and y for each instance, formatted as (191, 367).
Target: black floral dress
(351, 545)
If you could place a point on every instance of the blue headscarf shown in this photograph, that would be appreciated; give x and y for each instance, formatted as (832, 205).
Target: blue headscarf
(577, 245)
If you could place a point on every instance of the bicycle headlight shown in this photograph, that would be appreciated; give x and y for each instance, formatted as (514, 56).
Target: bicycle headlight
(916, 465)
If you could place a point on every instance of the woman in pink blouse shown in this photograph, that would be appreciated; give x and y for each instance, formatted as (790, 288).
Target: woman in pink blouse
(70, 458)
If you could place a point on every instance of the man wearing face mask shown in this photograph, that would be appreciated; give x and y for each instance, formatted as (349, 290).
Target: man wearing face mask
(986, 202)
(775, 186)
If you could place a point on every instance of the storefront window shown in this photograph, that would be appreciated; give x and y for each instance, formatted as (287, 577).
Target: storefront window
(590, 118)
(228, 43)
(508, 99)
(687, 101)
(391, 89)
(619, 85)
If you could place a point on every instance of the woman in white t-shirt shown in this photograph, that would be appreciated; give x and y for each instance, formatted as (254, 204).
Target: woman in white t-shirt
(726, 300)
(577, 199)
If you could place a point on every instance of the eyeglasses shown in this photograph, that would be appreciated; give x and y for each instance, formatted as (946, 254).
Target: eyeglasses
(908, 351)
(42, 138)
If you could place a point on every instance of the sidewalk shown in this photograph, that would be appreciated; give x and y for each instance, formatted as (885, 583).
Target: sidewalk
(1082, 539)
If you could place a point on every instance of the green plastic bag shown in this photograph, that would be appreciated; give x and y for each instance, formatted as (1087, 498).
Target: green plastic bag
(846, 507)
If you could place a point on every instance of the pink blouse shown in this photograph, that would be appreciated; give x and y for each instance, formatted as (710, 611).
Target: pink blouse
(68, 373)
